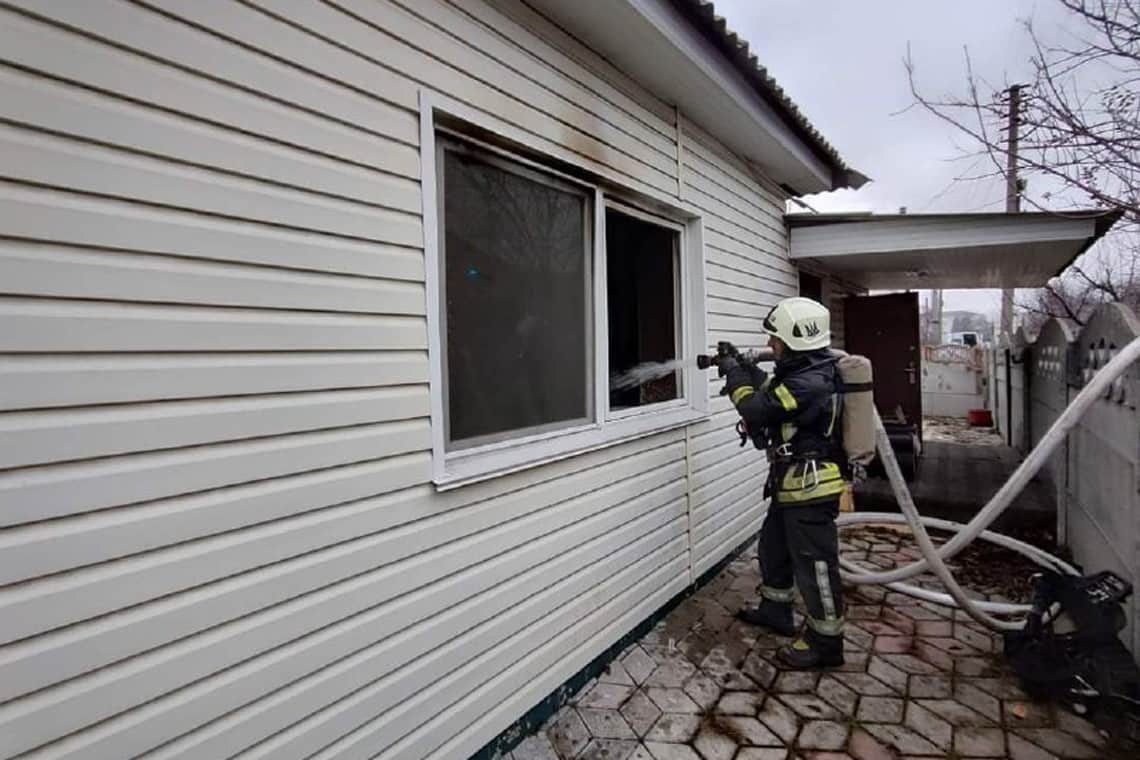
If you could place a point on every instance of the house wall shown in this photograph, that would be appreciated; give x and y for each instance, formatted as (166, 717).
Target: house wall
(217, 528)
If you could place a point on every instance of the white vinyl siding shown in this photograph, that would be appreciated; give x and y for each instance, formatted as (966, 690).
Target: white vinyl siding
(218, 533)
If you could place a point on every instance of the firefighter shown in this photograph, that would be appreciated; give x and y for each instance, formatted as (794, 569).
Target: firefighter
(795, 413)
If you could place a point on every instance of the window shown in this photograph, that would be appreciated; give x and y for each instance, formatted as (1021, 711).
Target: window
(642, 305)
(542, 286)
(516, 251)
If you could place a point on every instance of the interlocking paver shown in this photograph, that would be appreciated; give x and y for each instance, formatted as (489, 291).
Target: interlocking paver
(822, 734)
(930, 687)
(759, 670)
(608, 749)
(672, 673)
(857, 636)
(908, 663)
(780, 718)
(713, 745)
(980, 742)
(887, 673)
(640, 712)
(744, 730)
(878, 628)
(863, 746)
(568, 733)
(672, 700)
(975, 667)
(662, 751)
(903, 739)
(641, 753)
(1002, 688)
(978, 700)
(1020, 749)
(837, 695)
(939, 658)
(702, 690)
(979, 641)
(863, 611)
(917, 613)
(893, 644)
(900, 622)
(928, 723)
(761, 753)
(639, 665)
(606, 724)
(796, 682)
(880, 710)
(809, 706)
(740, 703)
(867, 685)
(673, 727)
(1059, 743)
(535, 747)
(605, 695)
(955, 713)
(934, 628)
(950, 645)
(616, 673)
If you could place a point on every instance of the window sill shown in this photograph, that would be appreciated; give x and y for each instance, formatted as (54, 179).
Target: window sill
(466, 468)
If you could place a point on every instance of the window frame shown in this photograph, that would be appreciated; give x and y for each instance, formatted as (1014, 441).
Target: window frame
(455, 467)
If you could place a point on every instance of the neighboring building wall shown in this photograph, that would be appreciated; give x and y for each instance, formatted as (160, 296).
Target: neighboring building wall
(952, 380)
(219, 531)
(1097, 470)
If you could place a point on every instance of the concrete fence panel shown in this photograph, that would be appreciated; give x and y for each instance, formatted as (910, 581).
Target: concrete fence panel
(1102, 503)
(1047, 363)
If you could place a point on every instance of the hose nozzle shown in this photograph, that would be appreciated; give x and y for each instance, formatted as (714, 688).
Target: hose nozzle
(724, 349)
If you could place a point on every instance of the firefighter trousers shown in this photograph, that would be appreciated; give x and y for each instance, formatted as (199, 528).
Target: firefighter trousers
(799, 544)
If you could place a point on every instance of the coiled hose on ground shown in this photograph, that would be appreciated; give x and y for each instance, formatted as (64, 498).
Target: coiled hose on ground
(934, 559)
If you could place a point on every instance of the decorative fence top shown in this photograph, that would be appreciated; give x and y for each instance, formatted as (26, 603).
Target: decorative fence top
(953, 353)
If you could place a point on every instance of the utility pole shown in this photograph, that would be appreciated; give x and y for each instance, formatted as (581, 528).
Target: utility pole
(1012, 192)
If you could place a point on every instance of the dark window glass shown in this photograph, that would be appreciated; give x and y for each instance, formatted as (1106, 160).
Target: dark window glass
(642, 305)
(516, 297)
(811, 287)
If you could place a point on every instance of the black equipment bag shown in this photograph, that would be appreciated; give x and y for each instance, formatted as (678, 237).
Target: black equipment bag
(1088, 669)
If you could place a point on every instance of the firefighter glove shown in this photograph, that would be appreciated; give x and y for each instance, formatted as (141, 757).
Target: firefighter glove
(738, 383)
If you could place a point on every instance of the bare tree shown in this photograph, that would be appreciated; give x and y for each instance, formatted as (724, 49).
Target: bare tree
(1080, 119)
(1112, 276)
(1079, 135)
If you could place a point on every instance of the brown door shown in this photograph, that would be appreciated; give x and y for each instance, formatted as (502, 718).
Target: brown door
(885, 330)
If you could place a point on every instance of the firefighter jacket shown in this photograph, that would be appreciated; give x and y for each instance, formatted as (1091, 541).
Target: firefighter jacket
(797, 415)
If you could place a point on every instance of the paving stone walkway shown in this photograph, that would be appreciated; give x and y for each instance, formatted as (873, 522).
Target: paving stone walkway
(921, 681)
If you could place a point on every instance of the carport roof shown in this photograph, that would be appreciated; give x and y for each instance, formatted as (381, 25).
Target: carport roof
(924, 251)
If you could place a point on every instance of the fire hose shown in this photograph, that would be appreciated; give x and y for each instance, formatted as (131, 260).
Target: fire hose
(934, 558)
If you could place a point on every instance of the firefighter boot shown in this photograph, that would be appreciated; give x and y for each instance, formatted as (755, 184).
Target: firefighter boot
(813, 650)
(775, 616)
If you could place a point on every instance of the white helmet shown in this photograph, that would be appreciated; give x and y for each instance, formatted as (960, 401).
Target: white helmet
(801, 323)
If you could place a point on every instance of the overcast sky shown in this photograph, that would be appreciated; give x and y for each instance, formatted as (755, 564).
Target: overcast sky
(841, 62)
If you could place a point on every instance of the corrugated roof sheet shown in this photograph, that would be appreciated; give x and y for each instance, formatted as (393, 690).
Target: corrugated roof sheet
(703, 15)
